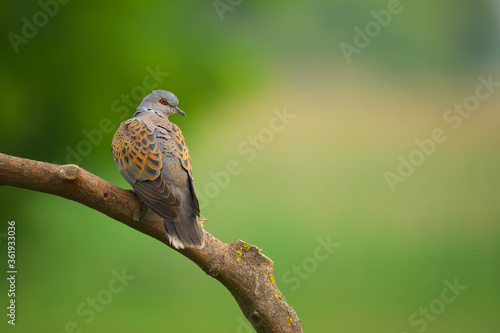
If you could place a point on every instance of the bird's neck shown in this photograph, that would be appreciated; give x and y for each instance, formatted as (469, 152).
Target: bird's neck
(150, 114)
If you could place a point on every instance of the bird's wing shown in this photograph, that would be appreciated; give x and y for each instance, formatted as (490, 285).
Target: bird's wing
(139, 155)
(182, 149)
(176, 172)
(182, 152)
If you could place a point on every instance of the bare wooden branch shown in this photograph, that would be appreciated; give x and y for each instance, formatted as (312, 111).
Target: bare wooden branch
(240, 267)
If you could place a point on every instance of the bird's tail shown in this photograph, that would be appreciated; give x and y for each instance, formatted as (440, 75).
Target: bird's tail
(186, 232)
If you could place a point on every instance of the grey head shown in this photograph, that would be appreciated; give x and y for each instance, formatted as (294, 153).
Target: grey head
(160, 102)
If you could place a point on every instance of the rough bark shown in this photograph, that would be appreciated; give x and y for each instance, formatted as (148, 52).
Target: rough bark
(241, 268)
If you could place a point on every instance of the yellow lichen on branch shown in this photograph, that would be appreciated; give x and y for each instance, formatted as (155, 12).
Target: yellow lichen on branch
(261, 303)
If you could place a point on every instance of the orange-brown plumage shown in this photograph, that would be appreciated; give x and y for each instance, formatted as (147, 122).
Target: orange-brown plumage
(152, 156)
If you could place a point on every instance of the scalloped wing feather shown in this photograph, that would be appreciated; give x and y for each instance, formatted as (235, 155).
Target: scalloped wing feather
(136, 152)
(182, 149)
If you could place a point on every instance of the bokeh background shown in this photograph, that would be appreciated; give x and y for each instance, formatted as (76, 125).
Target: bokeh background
(320, 178)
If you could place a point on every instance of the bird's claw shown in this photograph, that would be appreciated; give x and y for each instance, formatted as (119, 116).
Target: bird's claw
(202, 221)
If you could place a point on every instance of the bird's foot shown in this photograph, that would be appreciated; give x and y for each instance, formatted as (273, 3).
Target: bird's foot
(139, 214)
(202, 221)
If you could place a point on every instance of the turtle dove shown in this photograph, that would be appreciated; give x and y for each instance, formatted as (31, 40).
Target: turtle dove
(152, 156)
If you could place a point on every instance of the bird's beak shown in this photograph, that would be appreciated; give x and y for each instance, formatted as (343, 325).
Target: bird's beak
(179, 111)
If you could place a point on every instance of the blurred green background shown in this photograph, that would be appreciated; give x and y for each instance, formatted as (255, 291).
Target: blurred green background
(319, 178)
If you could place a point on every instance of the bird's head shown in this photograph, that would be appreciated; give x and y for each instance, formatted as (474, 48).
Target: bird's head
(162, 103)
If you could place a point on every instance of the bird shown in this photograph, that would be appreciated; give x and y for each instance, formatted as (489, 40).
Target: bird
(151, 154)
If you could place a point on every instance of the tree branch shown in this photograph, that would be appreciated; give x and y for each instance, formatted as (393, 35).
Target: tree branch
(241, 268)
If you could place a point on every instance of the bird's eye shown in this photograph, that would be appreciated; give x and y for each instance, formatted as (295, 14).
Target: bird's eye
(163, 101)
